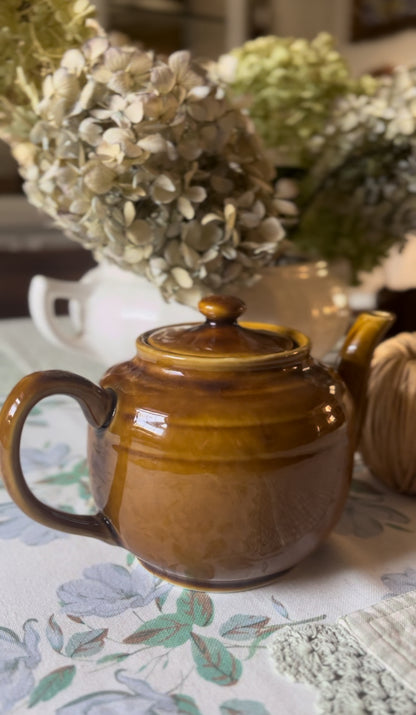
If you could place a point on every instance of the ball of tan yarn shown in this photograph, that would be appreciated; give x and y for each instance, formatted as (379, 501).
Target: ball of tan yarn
(388, 442)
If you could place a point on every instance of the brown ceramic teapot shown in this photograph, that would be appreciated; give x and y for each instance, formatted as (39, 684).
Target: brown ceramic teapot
(220, 455)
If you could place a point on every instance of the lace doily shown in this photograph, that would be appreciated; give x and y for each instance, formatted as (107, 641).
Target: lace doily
(348, 680)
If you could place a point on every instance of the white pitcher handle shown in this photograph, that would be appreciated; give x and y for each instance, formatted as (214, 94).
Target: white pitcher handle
(42, 296)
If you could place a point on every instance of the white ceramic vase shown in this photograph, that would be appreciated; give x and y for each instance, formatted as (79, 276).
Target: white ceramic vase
(110, 307)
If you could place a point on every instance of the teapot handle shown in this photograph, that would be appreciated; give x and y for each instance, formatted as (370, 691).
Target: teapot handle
(97, 405)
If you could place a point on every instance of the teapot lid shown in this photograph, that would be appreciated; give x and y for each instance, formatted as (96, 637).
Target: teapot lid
(221, 337)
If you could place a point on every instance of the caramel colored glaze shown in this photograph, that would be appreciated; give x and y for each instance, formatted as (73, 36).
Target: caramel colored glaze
(214, 481)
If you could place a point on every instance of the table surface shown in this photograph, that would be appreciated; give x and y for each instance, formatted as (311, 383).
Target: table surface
(85, 629)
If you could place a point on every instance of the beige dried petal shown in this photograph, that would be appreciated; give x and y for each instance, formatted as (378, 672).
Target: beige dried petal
(213, 109)
(109, 154)
(196, 194)
(120, 83)
(271, 229)
(249, 219)
(25, 152)
(246, 200)
(79, 206)
(132, 254)
(73, 61)
(153, 106)
(115, 234)
(191, 257)
(164, 190)
(190, 149)
(171, 152)
(135, 111)
(210, 255)
(48, 86)
(95, 47)
(154, 143)
(172, 253)
(198, 111)
(179, 63)
(185, 207)
(140, 63)
(129, 212)
(90, 131)
(208, 218)
(182, 277)
(199, 92)
(101, 74)
(287, 208)
(287, 189)
(140, 232)
(65, 84)
(259, 208)
(99, 179)
(158, 266)
(85, 98)
(229, 252)
(230, 214)
(134, 151)
(67, 176)
(188, 80)
(226, 68)
(162, 79)
(117, 104)
(116, 59)
(101, 114)
(115, 135)
(190, 296)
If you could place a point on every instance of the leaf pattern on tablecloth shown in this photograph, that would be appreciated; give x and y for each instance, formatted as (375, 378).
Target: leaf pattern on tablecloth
(186, 623)
(366, 514)
(19, 657)
(33, 458)
(14, 524)
(160, 649)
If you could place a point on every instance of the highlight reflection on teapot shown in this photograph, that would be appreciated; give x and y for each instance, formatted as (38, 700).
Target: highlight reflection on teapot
(220, 455)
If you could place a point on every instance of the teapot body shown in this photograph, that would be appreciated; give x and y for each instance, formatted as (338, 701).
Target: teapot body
(219, 480)
(220, 455)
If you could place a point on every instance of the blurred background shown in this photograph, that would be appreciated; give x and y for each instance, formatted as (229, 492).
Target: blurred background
(373, 36)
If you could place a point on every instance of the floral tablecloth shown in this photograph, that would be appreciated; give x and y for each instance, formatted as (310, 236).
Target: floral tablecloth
(85, 629)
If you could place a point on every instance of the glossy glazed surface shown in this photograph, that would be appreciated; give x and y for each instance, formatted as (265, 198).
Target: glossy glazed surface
(220, 455)
(215, 480)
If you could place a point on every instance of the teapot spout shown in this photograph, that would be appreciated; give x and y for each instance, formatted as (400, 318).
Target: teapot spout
(355, 359)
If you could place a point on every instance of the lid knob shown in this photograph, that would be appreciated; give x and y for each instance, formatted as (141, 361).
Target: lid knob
(221, 308)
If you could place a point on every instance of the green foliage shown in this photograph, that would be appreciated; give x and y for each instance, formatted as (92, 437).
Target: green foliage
(196, 606)
(84, 645)
(170, 630)
(214, 662)
(52, 684)
(185, 705)
(243, 707)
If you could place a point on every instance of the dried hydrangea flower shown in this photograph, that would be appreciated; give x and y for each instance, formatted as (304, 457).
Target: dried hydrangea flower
(146, 162)
(288, 86)
(33, 37)
(359, 197)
